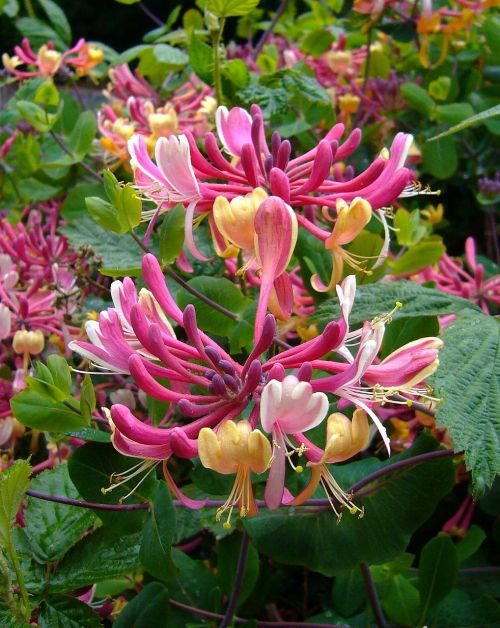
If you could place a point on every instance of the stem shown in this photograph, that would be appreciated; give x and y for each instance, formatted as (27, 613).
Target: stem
(216, 39)
(238, 581)
(28, 5)
(81, 504)
(372, 595)
(69, 152)
(401, 464)
(240, 620)
(368, 56)
(11, 551)
(147, 11)
(267, 33)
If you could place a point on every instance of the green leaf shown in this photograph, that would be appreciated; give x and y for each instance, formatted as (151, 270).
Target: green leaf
(230, 8)
(87, 398)
(47, 94)
(150, 608)
(236, 72)
(172, 234)
(53, 528)
(201, 59)
(42, 413)
(454, 112)
(317, 42)
(158, 535)
(228, 552)
(58, 19)
(90, 434)
(90, 468)
(99, 556)
(424, 253)
(61, 611)
(409, 229)
(40, 119)
(81, 137)
(173, 58)
(224, 293)
(457, 609)
(120, 256)
(401, 601)
(479, 117)
(38, 32)
(74, 206)
(417, 98)
(405, 330)
(440, 158)
(105, 214)
(61, 373)
(348, 592)
(376, 299)
(468, 380)
(437, 572)
(14, 483)
(472, 541)
(316, 540)
(440, 88)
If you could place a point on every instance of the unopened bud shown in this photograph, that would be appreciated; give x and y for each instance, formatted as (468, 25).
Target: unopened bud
(31, 342)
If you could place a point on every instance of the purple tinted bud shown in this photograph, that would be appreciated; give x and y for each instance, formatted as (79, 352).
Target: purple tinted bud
(213, 355)
(305, 371)
(231, 382)
(24, 307)
(254, 375)
(218, 386)
(226, 366)
(268, 164)
(275, 146)
(283, 155)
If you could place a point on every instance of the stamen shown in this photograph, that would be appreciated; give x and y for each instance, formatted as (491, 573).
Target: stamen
(387, 318)
(117, 479)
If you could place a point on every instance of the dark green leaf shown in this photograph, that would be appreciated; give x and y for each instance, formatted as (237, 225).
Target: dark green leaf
(149, 608)
(472, 541)
(378, 298)
(224, 293)
(14, 483)
(172, 234)
(401, 601)
(158, 535)
(348, 592)
(417, 98)
(468, 380)
(318, 542)
(61, 611)
(405, 330)
(73, 207)
(99, 556)
(82, 135)
(38, 32)
(52, 528)
(58, 19)
(483, 116)
(90, 468)
(440, 158)
(457, 609)
(437, 572)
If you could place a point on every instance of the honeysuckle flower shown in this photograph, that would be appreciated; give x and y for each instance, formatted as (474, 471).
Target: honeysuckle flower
(451, 276)
(5, 321)
(344, 439)
(235, 448)
(182, 174)
(235, 220)
(351, 219)
(48, 61)
(276, 229)
(287, 407)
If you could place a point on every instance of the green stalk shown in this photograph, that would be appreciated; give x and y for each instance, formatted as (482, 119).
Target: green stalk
(25, 606)
(28, 5)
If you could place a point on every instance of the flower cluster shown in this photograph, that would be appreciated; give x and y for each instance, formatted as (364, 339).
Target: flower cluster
(47, 62)
(283, 395)
(135, 107)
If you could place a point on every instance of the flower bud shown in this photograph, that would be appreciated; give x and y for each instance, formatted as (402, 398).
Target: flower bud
(31, 342)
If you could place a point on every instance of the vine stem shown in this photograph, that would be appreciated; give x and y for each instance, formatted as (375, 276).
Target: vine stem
(69, 152)
(368, 57)
(238, 580)
(267, 33)
(215, 503)
(147, 11)
(372, 595)
(241, 620)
